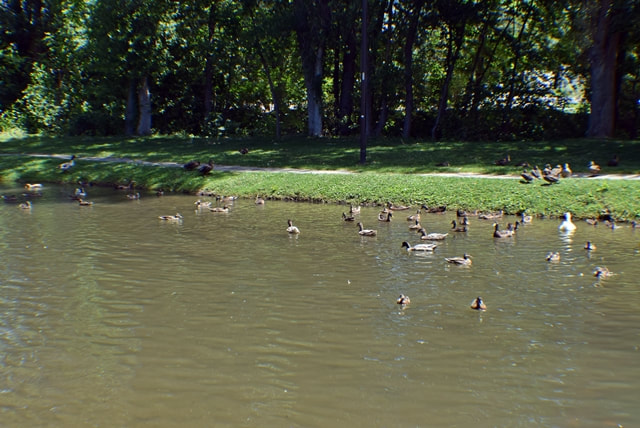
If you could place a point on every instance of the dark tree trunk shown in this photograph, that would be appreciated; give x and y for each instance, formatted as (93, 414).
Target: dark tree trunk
(408, 67)
(130, 110)
(144, 106)
(603, 60)
(348, 80)
(272, 88)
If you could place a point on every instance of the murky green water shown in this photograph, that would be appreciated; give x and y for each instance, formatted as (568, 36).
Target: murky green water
(111, 317)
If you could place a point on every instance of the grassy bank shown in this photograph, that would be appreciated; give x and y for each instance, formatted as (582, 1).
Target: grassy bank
(389, 176)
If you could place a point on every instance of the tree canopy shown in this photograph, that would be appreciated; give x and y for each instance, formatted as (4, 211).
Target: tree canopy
(439, 69)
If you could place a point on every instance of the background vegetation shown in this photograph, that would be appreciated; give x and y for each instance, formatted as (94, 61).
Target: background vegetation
(444, 69)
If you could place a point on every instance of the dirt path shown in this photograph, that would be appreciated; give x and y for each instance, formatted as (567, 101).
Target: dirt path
(237, 168)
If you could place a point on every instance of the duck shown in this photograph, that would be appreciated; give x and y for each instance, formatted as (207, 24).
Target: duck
(403, 300)
(33, 187)
(525, 219)
(634, 224)
(463, 213)
(346, 217)
(590, 246)
(594, 168)
(159, 192)
(353, 210)
(611, 225)
(504, 161)
(202, 204)
(259, 200)
(591, 221)
(435, 210)
(177, 217)
(478, 304)
(497, 233)
(431, 236)
(79, 193)
(10, 198)
(191, 165)
(465, 221)
(553, 256)
(491, 215)
(535, 172)
(456, 228)
(551, 179)
(66, 166)
(567, 225)
(222, 198)
(566, 171)
(614, 161)
(602, 272)
(25, 205)
(527, 177)
(414, 217)
(133, 196)
(223, 209)
(366, 232)
(416, 225)
(465, 260)
(130, 186)
(84, 203)
(244, 150)
(291, 228)
(385, 216)
(441, 164)
(206, 168)
(419, 247)
(395, 207)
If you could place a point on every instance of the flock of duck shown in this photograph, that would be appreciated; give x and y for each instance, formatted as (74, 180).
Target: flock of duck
(553, 175)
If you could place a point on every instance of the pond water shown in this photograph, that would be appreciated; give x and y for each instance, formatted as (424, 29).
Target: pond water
(112, 317)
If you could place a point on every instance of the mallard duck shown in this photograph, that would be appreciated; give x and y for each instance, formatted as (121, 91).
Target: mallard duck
(84, 203)
(491, 215)
(25, 205)
(553, 256)
(66, 166)
(419, 247)
(130, 186)
(10, 198)
(133, 196)
(259, 200)
(445, 163)
(536, 172)
(191, 165)
(456, 228)
(222, 198)
(594, 168)
(504, 161)
(525, 219)
(353, 210)
(206, 168)
(366, 232)
(497, 233)
(416, 225)
(244, 150)
(551, 179)
(602, 272)
(634, 224)
(202, 204)
(414, 217)
(465, 221)
(463, 213)
(395, 207)
(435, 210)
(566, 171)
(478, 304)
(591, 221)
(614, 161)
(223, 209)
(80, 193)
(527, 177)
(465, 260)
(403, 300)
(431, 236)
(33, 187)
(159, 192)
(385, 216)
(291, 228)
(590, 246)
(611, 225)
(346, 217)
(567, 225)
(177, 217)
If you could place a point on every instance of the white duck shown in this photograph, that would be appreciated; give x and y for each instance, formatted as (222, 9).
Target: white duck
(567, 225)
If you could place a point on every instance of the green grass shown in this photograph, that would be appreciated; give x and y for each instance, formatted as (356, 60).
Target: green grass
(389, 175)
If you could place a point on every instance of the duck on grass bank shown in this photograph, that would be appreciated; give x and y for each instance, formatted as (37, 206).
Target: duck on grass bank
(206, 168)
(66, 166)
(419, 247)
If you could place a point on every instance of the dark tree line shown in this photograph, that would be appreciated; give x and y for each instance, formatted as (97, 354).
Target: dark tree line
(451, 69)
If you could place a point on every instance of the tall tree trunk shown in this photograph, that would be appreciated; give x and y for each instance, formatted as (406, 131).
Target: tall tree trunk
(272, 88)
(312, 22)
(348, 80)
(130, 110)
(408, 67)
(144, 106)
(603, 60)
(456, 36)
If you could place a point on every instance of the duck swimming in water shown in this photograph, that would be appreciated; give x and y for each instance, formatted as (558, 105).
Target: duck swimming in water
(403, 300)
(567, 225)
(291, 228)
(419, 247)
(478, 304)
(465, 260)
(366, 232)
